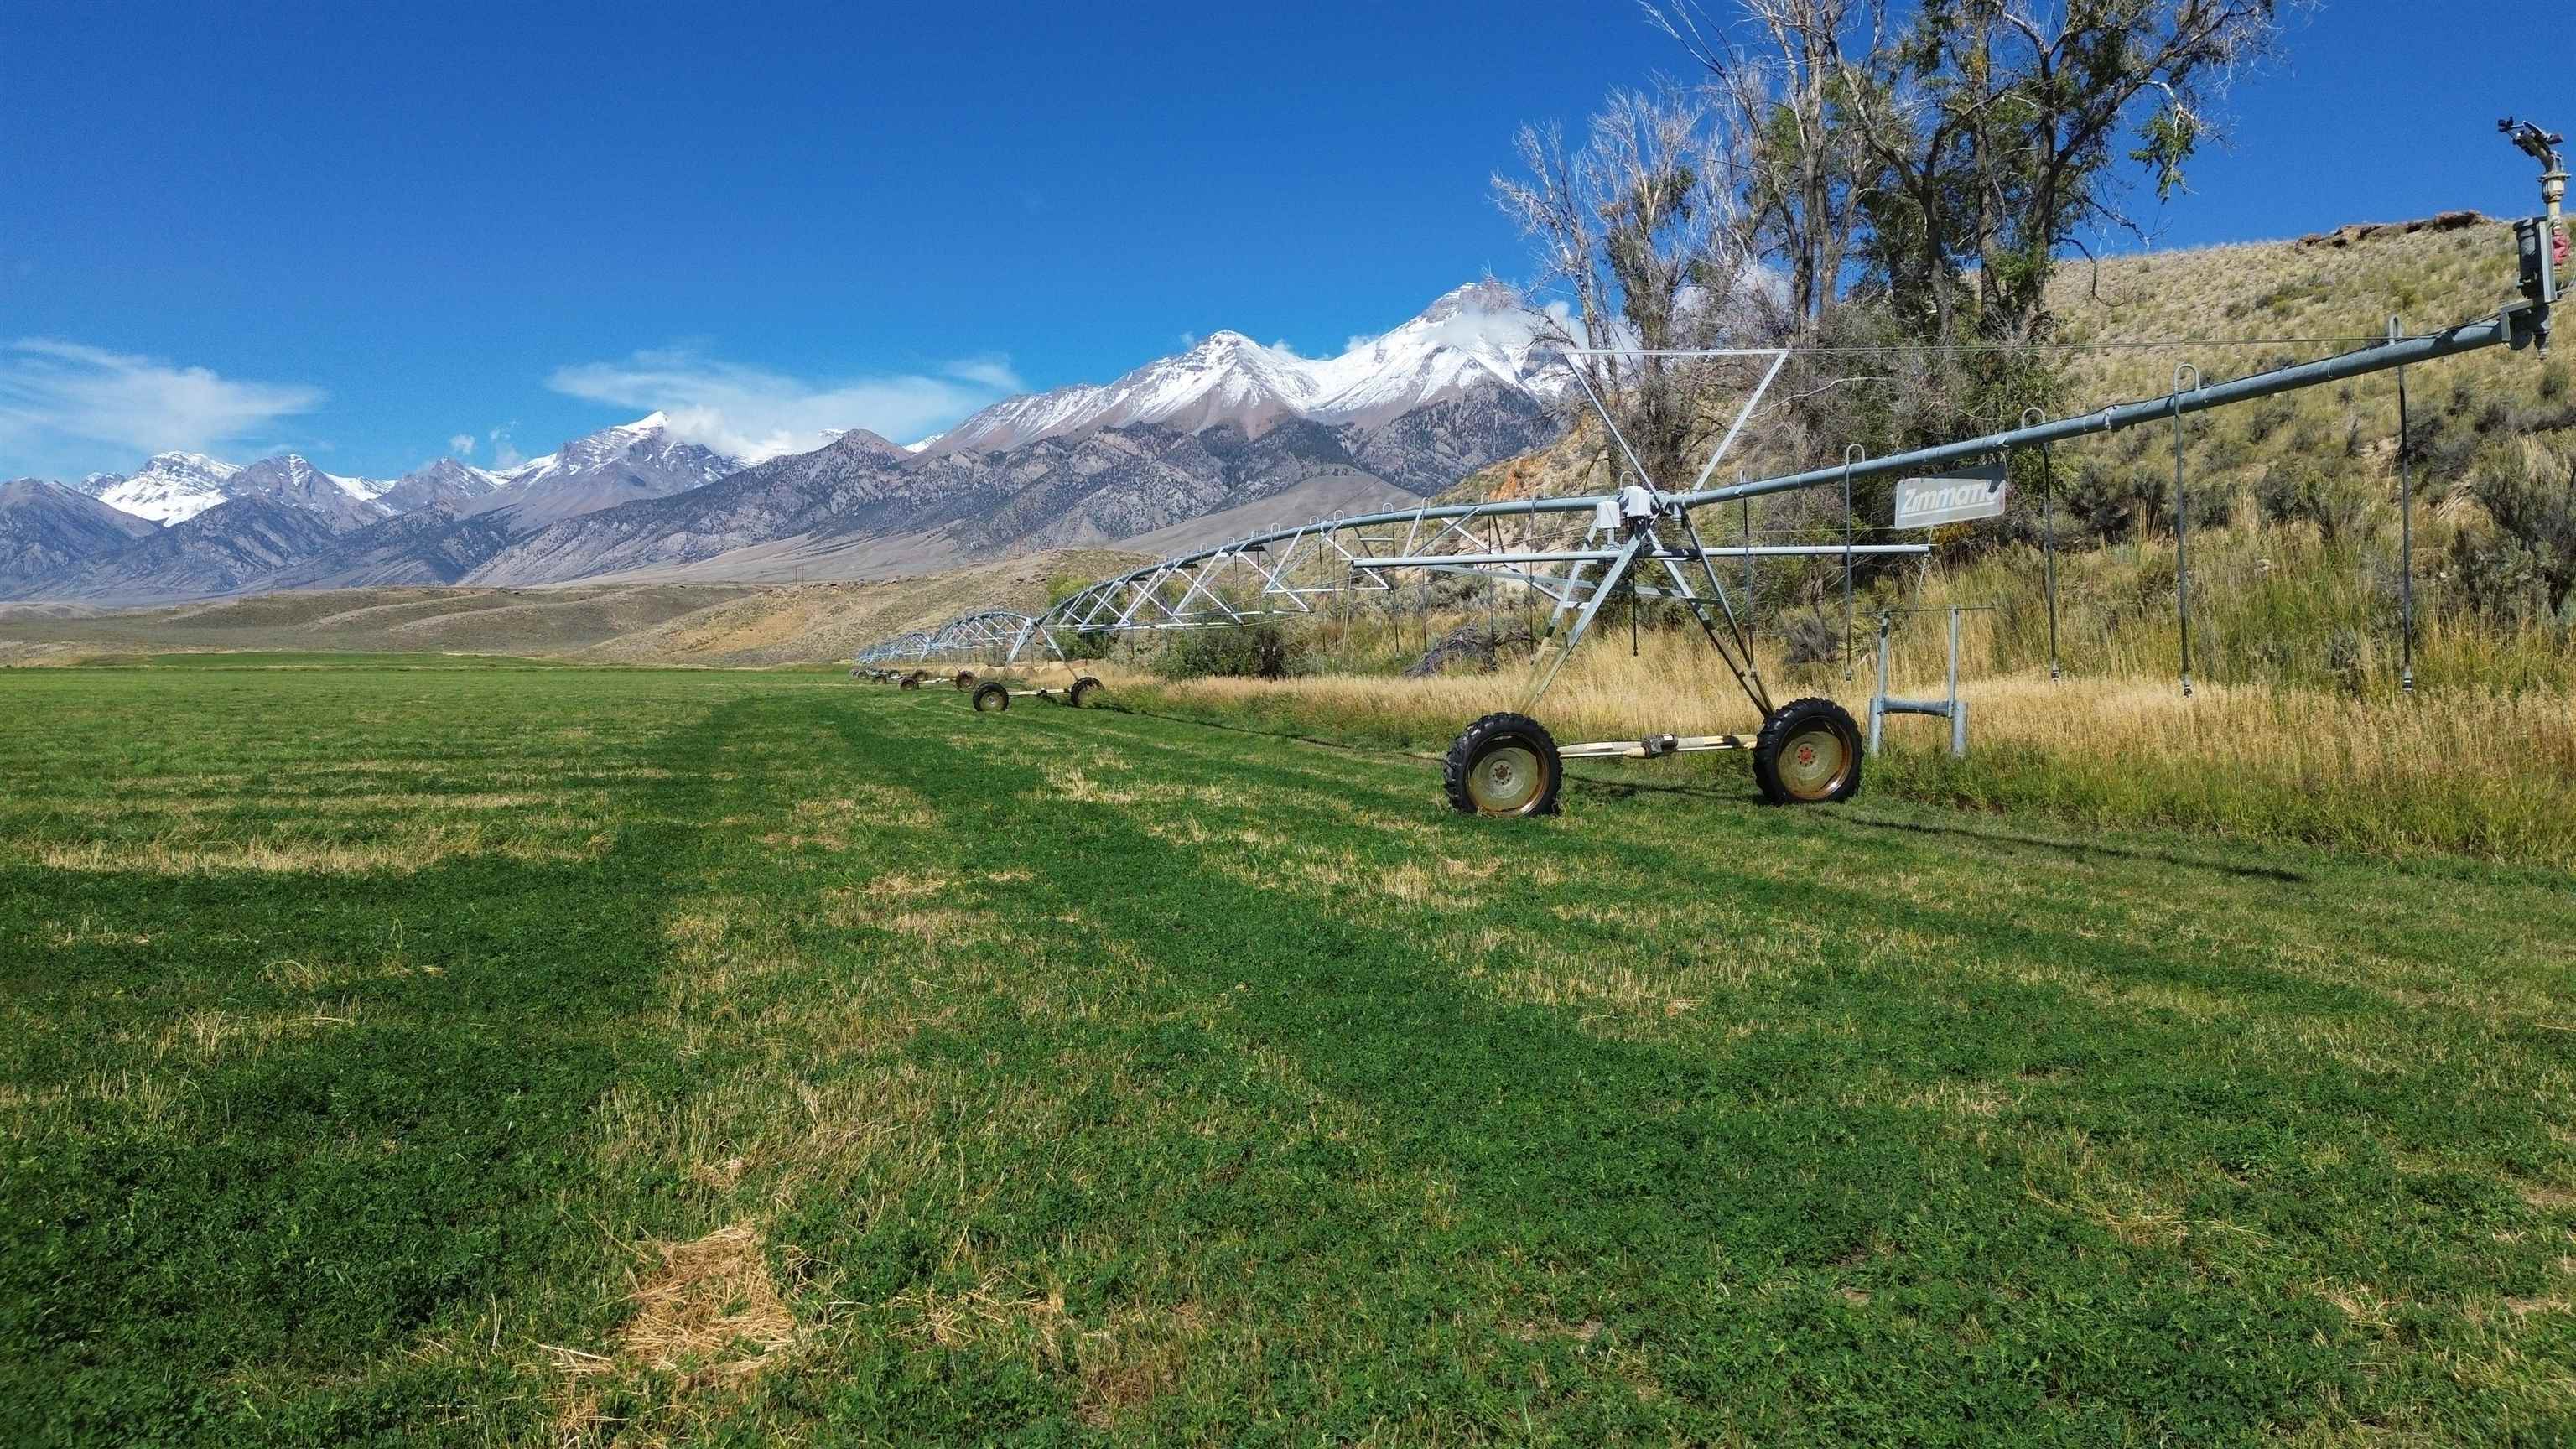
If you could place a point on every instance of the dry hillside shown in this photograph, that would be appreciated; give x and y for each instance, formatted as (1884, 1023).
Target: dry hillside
(2214, 305)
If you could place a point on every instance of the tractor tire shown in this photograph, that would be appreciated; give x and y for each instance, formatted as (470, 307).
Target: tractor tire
(1083, 689)
(1504, 764)
(1808, 754)
(992, 696)
(965, 679)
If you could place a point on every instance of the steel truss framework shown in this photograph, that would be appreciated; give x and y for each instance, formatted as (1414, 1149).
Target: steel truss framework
(1296, 572)
(1640, 535)
(974, 636)
(1309, 570)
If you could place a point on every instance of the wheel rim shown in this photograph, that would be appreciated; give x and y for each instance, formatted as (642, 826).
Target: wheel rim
(1506, 779)
(1813, 761)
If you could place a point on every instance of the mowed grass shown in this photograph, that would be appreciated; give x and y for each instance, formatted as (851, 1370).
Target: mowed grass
(588, 1056)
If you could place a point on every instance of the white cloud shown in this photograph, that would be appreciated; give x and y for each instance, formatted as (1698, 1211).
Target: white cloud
(461, 446)
(61, 403)
(992, 372)
(753, 413)
(505, 454)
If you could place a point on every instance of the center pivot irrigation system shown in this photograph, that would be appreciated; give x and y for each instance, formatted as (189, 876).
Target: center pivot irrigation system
(1804, 752)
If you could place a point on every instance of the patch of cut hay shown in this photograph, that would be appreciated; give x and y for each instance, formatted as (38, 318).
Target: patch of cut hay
(711, 1310)
(710, 1313)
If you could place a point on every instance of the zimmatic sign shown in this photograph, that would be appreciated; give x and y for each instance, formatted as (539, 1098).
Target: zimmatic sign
(1961, 497)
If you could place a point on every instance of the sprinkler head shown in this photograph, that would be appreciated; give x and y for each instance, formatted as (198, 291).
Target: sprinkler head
(2539, 145)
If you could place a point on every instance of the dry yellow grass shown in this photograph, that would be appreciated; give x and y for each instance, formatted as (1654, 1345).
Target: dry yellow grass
(2481, 771)
(709, 1308)
(398, 851)
(2298, 728)
(709, 1312)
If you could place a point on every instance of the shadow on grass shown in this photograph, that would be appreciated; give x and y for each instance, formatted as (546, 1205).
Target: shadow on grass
(2082, 850)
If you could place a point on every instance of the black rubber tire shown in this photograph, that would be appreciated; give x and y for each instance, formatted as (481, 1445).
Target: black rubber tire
(1082, 690)
(965, 679)
(1802, 719)
(992, 696)
(1498, 732)
(908, 682)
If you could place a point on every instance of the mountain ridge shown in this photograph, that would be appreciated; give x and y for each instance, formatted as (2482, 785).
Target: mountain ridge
(1226, 424)
(1477, 334)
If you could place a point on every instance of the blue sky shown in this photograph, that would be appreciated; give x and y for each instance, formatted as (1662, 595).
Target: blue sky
(379, 233)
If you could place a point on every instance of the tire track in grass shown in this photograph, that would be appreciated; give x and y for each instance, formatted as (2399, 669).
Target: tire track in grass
(1700, 1200)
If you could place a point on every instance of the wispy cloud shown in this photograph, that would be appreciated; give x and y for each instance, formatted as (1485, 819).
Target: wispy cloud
(991, 372)
(754, 413)
(65, 404)
(505, 453)
(461, 446)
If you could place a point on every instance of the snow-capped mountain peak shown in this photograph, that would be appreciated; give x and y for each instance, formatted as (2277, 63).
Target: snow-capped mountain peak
(1475, 335)
(364, 489)
(170, 487)
(190, 462)
(641, 459)
(1471, 337)
(650, 433)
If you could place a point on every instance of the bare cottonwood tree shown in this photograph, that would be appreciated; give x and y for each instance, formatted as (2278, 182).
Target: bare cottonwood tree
(1774, 69)
(1642, 236)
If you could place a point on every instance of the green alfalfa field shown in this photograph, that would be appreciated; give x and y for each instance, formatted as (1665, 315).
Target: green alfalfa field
(568, 1055)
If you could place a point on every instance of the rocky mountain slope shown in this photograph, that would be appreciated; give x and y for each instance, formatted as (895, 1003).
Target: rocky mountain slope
(636, 460)
(46, 526)
(343, 503)
(1064, 491)
(445, 483)
(436, 544)
(225, 549)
